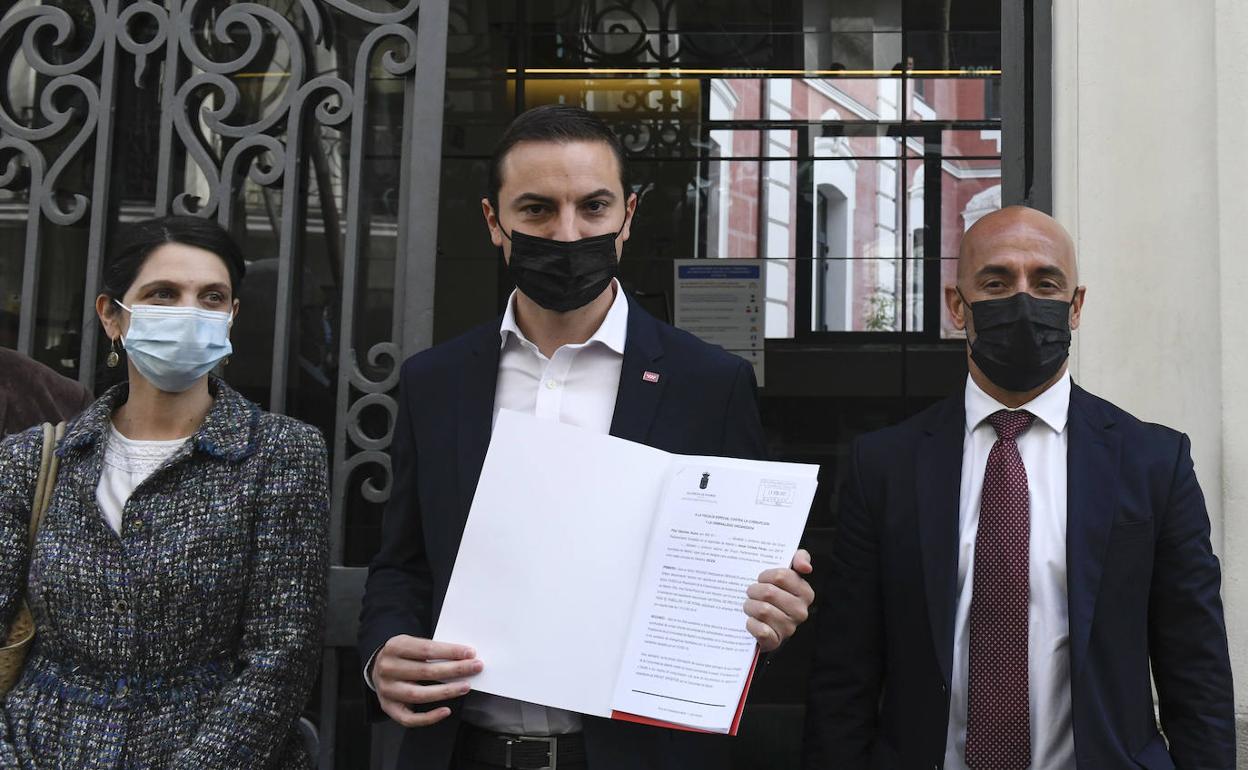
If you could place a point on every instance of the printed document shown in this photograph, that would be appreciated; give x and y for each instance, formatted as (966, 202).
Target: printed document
(607, 577)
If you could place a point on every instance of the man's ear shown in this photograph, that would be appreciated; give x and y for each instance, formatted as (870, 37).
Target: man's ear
(956, 307)
(1076, 306)
(630, 211)
(491, 222)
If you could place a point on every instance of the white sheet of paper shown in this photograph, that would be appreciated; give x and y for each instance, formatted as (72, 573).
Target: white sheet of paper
(547, 579)
(544, 591)
(718, 526)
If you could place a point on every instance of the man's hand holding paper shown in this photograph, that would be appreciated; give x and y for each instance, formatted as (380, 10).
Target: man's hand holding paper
(779, 602)
(415, 672)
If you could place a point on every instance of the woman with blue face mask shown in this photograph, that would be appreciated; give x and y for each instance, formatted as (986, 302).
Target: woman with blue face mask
(177, 582)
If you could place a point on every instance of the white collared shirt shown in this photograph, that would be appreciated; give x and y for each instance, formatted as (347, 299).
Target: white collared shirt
(1043, 449)
(575, 386)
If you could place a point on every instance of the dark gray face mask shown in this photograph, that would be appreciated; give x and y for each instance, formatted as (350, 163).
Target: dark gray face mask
(1020, 341)
(562, 275)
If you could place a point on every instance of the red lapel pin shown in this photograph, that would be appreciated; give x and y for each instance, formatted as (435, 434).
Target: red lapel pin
(650, 376)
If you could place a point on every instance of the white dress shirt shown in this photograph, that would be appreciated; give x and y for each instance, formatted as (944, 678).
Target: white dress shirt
(127, 464)
(575, 386)
(1043, 450)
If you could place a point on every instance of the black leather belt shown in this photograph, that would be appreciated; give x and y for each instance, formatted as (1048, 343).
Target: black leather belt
(521, 752)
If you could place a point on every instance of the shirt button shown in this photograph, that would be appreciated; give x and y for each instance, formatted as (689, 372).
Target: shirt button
(551, 384)
(122, 689)
(120, 605)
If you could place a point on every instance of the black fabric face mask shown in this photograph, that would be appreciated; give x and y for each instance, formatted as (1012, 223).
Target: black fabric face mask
(562, 275)
(1020, 341)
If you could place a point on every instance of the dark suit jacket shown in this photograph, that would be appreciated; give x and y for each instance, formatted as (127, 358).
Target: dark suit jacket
(704, 403)
(1142, 589)
(31, 393)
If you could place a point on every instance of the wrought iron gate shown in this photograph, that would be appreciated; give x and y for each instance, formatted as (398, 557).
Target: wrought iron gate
(309, 128)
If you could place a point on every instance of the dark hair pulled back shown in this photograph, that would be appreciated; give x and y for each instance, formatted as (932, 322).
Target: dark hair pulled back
(136, 241)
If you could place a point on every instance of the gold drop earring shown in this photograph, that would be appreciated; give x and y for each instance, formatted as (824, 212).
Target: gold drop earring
(113, 359)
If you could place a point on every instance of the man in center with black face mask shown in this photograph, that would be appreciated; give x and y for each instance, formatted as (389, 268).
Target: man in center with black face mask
(572, 347)
(1010, 563)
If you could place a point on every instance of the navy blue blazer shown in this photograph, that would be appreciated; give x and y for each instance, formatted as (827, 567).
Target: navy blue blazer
(1142, 587)
(704, 402)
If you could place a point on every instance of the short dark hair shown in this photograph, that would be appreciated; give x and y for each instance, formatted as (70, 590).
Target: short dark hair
(136, 241)
(554, 123)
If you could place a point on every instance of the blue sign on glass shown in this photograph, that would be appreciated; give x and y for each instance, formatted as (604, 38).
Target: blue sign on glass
(731, 272)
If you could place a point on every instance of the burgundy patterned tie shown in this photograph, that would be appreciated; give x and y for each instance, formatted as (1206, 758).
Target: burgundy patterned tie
(998, 720)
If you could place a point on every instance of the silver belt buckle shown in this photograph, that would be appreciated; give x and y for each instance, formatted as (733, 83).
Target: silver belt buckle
(552, 749)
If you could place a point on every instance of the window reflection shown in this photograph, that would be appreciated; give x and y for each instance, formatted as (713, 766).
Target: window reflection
(867, 191)
(841, 144)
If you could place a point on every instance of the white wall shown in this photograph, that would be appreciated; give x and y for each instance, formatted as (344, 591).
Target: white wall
(1150, 163)
(1231, 21)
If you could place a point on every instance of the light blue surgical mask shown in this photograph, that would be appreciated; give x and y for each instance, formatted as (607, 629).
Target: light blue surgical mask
(172, 347)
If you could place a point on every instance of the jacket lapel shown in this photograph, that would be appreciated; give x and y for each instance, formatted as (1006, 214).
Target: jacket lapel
(938, 480)
(477, 382)
(642, 377)
(1091, 494)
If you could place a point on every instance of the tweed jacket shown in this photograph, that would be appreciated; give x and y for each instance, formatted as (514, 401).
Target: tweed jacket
(190, 640)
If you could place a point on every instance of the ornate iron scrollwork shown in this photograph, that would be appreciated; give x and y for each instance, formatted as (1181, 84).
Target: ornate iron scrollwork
(665, 33)
(255, 107)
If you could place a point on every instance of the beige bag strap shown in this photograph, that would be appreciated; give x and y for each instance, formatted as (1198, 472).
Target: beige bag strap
(48, 463)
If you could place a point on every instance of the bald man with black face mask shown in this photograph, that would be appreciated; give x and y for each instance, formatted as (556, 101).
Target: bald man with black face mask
(1012, 563)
